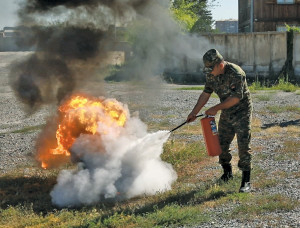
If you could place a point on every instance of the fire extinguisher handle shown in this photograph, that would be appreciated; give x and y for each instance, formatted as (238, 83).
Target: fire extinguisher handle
(199, 115)
(184, 123)
(207, 116)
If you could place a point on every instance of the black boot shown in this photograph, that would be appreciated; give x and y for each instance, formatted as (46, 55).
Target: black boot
(227, 172)
(245, 186)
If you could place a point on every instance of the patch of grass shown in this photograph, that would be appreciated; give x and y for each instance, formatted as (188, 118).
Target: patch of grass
(162, 125)
(191, 88)
(29, 129)
(290, 150)
(182, 206)
(278, 131)
(266, 183)
(281, 85)
(253, 205)
(285, 86)
(181, 153)
(25, 199)
(280, 109)
(256, 86)
(256, 125)
(292, 146)
(263, 97)
(214, 95)
(176, 215)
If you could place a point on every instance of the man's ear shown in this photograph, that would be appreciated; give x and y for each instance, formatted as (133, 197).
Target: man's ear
(222, 65)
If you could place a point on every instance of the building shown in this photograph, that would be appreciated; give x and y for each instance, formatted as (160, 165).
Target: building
(9, 32)
(227, 26)
(268, 15)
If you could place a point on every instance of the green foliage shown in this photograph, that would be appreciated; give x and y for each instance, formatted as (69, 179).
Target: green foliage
(25, 199)
(184, 16)
(180, 153)
(292, 28)
(29, 129)
(281, 109)
(191, 88)
(256, 85)
(285, 86)
(252, 206)
(282, 85)
(263, 97)
(194, 15)
(175, 215)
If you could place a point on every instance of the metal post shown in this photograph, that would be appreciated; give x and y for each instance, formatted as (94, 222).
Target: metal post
(252, 16)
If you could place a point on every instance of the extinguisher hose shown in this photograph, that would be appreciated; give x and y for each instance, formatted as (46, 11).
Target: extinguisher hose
(184, 123)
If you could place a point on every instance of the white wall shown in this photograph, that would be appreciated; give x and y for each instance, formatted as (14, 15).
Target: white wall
(256, 53)
(296, 57)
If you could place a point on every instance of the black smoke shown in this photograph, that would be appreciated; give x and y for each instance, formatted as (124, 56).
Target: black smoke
(81, 40)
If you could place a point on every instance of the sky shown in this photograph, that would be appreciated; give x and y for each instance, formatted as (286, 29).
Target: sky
(225, 9)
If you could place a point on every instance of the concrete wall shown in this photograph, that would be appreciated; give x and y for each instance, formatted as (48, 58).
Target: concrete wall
(296, 57)
(8, 44)
(262, 54)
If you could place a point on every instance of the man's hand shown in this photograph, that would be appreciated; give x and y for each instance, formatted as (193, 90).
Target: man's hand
(211, 111)
(191, 117)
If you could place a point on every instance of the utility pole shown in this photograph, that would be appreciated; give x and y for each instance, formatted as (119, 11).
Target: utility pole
(252, 16)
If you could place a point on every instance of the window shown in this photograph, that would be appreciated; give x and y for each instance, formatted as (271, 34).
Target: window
(285, 1)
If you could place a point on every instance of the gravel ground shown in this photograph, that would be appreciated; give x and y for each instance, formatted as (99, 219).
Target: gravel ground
(165, 102)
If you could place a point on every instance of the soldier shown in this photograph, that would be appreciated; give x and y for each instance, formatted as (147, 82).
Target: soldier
(228, 81)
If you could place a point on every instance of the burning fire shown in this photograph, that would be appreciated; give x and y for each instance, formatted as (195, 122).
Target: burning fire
(81, 115)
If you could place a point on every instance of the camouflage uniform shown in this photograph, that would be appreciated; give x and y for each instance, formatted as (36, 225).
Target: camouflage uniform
(236, 119)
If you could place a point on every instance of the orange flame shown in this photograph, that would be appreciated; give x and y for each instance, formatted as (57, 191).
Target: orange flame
(81, 115)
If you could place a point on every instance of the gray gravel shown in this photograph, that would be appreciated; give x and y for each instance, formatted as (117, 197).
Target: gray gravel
(155, 102)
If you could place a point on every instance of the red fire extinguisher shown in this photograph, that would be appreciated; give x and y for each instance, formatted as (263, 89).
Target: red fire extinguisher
(211, 136)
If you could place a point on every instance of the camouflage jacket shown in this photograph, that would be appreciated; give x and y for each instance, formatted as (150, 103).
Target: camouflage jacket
(230, 84)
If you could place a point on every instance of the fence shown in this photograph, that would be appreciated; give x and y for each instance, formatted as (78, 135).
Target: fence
(259, 54)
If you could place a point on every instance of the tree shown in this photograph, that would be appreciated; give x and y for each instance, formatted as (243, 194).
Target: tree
(194, 15)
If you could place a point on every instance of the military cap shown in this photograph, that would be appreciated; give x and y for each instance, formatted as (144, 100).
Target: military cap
(210, 59)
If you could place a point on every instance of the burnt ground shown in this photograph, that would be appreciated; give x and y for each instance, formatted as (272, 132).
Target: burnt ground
(161, 103)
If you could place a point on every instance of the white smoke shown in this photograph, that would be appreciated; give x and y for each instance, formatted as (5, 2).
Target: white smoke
(122, 163)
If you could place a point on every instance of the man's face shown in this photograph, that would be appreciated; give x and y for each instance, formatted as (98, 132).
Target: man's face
(214, 70)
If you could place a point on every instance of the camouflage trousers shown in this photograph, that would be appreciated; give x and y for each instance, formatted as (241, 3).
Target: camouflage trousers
(239, 124)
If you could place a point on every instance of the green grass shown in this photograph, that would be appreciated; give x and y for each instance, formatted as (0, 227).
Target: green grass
(181, 153)
(196, 198)
(263, 97)
(29, 129)
(281, 85)
(258, 205)
(182, 206)
(281, 109)
(191, 88)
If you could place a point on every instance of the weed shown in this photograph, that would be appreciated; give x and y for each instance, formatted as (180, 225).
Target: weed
(263, 97)
(252, 205)
(191, 88)
(281, 109)
(182, 153)
(256, 86)
(285, 86)
(281, 85)
(176, 215)
(256, 125)
(29, 129)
